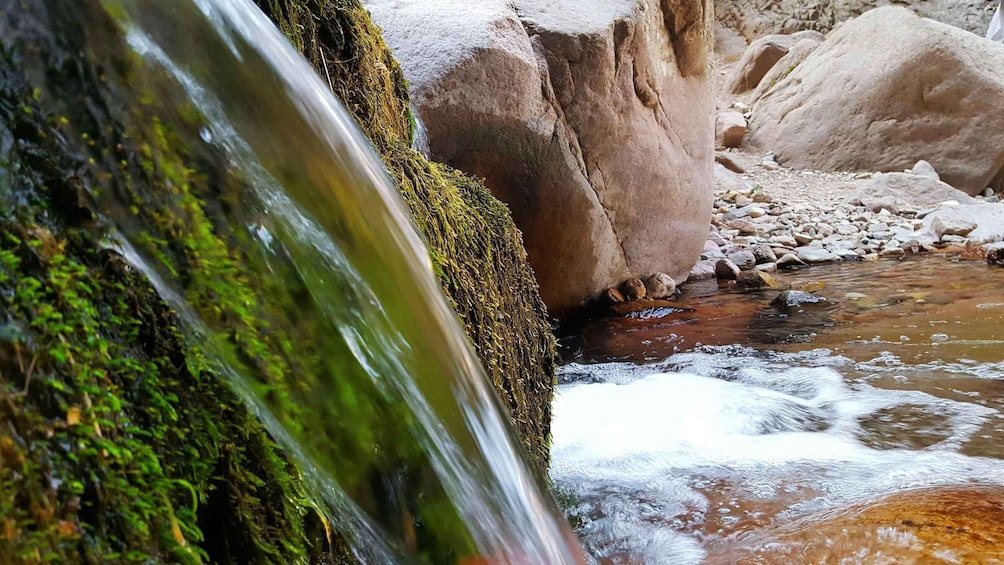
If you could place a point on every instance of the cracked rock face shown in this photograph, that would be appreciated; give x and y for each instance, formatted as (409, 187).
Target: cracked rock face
(591, 119)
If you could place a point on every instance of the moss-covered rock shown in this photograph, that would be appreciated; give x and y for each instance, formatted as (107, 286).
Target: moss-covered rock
(118, 442)
(475, 246)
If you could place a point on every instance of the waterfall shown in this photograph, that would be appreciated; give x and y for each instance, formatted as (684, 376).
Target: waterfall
(377, 397)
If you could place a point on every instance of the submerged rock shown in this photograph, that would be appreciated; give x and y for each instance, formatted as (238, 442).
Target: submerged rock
(995, 254)
(795, 298)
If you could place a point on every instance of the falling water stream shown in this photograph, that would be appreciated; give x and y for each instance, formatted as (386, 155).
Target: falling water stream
(725, 429)
(389, 419)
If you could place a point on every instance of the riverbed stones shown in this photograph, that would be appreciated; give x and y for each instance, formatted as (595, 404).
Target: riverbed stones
(660, 285)
(909, 102)
(587, 117)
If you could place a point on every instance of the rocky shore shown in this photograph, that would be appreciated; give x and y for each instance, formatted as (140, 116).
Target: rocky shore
(767, 217)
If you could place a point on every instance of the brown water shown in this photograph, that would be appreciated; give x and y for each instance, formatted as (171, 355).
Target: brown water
(721, 428)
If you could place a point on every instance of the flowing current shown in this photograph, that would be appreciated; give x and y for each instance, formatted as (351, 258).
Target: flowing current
(712, 428)
(319, 200)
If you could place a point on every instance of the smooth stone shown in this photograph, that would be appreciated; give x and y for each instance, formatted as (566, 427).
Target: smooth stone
(633, 289)
(703, 270)
(817, 256)
(764, 254)
(754, 279)
(726, 270)
(745, 259)
(787, 240)
(942, 226)
(730, 162)
(660, 285)
(794, 298)
(790, 260)
(717, 238)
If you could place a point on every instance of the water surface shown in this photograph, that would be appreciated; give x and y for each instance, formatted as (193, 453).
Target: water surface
(694, 430)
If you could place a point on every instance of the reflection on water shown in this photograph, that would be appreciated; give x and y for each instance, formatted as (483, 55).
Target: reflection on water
(692, 434)
(927, 309)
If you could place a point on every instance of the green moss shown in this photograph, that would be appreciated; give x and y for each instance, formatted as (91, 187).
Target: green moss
(119, 443)
(477, 251)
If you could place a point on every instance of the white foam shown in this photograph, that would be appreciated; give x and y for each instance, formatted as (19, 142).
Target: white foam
(629, 445)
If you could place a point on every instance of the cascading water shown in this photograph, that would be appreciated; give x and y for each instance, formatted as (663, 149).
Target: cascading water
(376, 395)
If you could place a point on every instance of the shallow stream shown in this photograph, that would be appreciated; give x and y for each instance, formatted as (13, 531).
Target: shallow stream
(722, 428)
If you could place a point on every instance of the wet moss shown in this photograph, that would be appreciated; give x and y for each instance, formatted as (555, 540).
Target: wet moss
(476, 248)
(118, 442)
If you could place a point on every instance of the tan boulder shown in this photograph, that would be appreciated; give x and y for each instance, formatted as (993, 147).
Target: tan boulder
(591, 119)
(798, 52)
(886, 90)
(761, 56)
(730, 129)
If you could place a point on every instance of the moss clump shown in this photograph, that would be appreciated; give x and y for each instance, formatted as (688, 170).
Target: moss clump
(475, 246)
(118, 445)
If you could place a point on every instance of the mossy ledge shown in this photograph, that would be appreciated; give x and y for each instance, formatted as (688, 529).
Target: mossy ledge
(118, 444)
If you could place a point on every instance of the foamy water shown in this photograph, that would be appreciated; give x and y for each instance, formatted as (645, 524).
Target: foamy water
(660, 460)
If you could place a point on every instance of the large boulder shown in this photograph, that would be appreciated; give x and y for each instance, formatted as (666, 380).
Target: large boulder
(885, 90)
(590, 119)
(755, 19)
